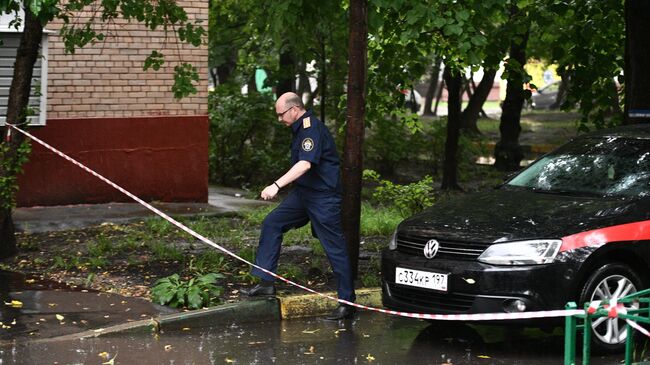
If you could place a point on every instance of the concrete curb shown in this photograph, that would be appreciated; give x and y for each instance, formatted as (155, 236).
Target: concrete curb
(245, 311)
(309, 305)
(261, 310)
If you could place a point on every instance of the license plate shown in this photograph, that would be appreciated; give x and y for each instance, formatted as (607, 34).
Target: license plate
(421, 279)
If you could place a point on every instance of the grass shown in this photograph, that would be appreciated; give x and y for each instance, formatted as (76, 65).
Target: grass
(532, 123)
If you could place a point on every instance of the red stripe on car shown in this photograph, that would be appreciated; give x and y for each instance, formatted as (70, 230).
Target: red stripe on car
(624, 232)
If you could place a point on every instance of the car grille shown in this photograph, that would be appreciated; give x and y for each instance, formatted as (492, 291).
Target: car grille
(456, 250)
(431, 299)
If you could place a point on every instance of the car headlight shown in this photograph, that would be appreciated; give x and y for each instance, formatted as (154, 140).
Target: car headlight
(392, 244)
(533, 252)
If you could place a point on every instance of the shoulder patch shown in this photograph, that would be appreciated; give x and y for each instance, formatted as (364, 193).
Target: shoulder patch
(307, 144)
(306, 123)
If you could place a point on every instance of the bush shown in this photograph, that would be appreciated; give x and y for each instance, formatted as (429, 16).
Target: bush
(393, 140)
(196, 293)
(408, 199)
(248, 146)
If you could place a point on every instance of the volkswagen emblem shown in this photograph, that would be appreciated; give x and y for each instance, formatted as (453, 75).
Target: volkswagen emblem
(431, 248)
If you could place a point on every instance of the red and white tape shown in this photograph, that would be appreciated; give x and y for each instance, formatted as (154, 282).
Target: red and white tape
(444, 317)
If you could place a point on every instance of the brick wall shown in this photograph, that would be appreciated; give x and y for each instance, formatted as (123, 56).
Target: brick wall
(106, 79)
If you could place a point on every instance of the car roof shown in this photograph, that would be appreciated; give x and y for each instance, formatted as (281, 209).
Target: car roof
(634, 131)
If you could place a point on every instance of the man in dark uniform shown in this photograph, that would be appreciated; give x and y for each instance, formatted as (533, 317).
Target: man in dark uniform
(316, 197)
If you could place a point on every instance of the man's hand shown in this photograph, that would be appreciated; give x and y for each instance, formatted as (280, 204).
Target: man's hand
(269, 192)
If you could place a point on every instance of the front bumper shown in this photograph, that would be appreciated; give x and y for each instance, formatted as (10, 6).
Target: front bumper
(474, 287)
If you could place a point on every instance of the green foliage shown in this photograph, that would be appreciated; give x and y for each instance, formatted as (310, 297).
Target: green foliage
(244, 274)
(11, 163)
(158, 227)
(184, 78)
(317, 248)
(291, 272)
(210, 261)
(391, 141)
(408, 199)
(370, 280)
(198, 292)
(163, 251)
(247, 144)
(587, 40)
(66, 262)
(379, 220)
(256, 216)
(97, 262)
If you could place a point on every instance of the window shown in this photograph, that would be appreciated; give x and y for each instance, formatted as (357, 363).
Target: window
(10, 38)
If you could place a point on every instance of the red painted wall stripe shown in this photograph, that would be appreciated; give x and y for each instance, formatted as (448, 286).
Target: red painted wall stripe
(163, 158)
(624, 232)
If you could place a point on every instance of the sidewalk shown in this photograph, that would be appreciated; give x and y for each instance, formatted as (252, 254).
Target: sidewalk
(60, 218)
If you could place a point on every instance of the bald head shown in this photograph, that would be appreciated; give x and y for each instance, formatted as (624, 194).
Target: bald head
(288, 100)
(289, 108)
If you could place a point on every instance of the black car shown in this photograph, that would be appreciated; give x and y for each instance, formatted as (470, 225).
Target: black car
(573, 226)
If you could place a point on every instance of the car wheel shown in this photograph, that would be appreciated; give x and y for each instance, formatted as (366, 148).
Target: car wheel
(609, 281)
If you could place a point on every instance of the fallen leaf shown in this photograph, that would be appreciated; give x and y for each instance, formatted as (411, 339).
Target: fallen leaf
(104, 355)
(15, 304)
(229, 361)
(483, 357)
(30, 281)
(310, 331)
(370, 358)
(59, 317)
(186, 329)
(52, 305)
(111, 361)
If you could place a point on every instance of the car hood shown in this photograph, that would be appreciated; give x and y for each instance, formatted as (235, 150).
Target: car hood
(507, 215)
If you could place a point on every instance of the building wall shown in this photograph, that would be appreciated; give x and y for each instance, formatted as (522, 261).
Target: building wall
(105, 111)
(106, 79)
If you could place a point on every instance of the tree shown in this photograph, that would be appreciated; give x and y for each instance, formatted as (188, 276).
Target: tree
(38, 13)
(352, 152)
(637, 60)
(587, 40)
(453, 80)
(508, 152)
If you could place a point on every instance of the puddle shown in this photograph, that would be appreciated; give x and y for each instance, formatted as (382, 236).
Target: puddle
(370, 339)
(33, 308)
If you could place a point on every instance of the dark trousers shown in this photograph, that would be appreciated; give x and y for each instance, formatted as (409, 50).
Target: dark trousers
(301, 206)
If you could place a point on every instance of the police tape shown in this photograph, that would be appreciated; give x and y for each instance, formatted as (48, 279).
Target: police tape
(443, 317)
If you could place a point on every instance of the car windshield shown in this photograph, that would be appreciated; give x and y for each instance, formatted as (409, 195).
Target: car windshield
(593, 166)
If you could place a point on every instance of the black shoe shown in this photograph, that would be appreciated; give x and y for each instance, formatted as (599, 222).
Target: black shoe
(342, 312)
(259, 290)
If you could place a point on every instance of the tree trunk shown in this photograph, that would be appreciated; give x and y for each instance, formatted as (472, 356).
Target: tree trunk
(433, 87)
(303, 84)
(286, 79)
(637, 59)
(454, 81)
(438, 97)
(213, 76)
(507, 152)
(21, 86)
(323, 80)
(469, 118)
(562, 90)
(354, 129)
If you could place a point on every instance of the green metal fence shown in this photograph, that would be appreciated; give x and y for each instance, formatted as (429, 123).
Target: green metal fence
(638, 311)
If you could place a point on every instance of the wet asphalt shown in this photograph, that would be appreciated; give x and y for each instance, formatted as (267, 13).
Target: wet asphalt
(369, 339)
